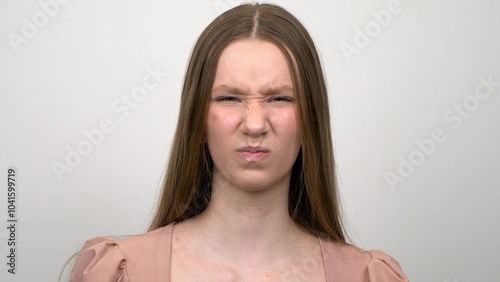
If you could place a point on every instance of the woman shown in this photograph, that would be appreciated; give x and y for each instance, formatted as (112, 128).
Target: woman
(249, 193)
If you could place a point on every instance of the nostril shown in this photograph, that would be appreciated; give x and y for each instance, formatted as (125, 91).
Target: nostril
(255, 124)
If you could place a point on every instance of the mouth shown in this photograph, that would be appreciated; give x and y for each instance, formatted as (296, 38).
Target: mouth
(252, 153)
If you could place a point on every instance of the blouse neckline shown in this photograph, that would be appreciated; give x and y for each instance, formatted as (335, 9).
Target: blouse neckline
(171, 231)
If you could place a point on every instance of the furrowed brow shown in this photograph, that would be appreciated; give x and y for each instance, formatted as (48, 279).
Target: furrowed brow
(237, 90)
(278, 90)
(229, 89)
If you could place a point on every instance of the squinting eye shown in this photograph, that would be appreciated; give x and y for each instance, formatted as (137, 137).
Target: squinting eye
(227, 99)
(281, 99)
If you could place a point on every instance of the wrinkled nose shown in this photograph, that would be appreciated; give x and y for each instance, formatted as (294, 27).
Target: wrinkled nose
(255, 121)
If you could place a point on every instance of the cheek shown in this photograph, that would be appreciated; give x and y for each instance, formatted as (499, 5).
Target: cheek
(286, 122)
(220, 122)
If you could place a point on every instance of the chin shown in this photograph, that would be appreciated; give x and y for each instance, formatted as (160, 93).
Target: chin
(257, 184)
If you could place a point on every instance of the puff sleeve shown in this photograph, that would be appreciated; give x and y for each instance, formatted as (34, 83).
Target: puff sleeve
(100, 259)
(383, 268)
(344, 262)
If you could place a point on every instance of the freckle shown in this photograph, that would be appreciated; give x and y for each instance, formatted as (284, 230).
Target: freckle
(176, 238)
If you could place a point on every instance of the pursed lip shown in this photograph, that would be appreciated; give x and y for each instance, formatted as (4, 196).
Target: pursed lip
(253, 153)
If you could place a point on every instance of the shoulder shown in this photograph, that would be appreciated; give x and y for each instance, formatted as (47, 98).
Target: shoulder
(109, 259)
(344, 262)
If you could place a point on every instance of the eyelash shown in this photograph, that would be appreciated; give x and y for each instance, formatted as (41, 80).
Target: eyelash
(272, 99)
(227, 99)
(281, 99)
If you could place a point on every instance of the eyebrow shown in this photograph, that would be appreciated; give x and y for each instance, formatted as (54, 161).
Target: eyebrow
(236, 90)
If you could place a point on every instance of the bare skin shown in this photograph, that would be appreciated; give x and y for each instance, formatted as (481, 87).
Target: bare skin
(246, 233)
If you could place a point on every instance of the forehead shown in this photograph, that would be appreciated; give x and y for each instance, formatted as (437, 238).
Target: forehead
(253, 64)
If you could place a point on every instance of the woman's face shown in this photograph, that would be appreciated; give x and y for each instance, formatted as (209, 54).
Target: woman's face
(252, 130)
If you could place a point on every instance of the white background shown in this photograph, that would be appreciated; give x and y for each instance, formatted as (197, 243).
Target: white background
(441, 223)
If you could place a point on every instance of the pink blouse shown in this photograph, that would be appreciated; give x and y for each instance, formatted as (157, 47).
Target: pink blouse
(146, 257)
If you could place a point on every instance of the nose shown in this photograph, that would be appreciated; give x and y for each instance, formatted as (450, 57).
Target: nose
(255, 121)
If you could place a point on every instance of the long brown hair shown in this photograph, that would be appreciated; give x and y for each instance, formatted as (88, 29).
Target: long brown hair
(313, 196)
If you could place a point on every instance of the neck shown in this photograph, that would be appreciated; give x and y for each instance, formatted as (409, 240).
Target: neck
(248, 224)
